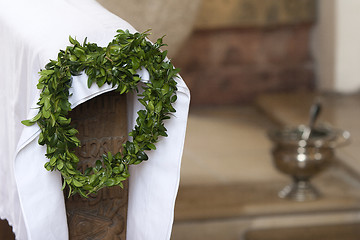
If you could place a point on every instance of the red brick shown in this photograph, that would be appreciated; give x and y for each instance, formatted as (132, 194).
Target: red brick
(233, 66)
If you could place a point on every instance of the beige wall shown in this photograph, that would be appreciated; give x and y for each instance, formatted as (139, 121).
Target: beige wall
(336, 44)
(172, 18)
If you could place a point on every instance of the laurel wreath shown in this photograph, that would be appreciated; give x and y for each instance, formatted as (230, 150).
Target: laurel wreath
(116, 65)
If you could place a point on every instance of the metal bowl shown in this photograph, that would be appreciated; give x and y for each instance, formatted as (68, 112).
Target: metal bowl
(304, 158)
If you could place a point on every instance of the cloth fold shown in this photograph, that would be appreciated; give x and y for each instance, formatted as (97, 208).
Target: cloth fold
(31, 33)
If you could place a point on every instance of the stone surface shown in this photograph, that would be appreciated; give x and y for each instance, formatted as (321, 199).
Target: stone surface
(249, 199)
(250, 13)
(331, 232)
(236, 137)
(242, 229)
(229, 187)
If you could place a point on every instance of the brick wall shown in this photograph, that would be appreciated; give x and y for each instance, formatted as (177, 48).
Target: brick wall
(232, 65)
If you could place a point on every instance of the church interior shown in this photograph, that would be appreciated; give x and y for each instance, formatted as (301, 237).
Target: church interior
(252, 67)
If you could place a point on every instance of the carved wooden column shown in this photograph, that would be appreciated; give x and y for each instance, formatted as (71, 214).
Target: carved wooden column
(102, 126)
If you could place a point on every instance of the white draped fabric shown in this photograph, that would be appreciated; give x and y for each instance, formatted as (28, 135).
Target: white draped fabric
(31, 33)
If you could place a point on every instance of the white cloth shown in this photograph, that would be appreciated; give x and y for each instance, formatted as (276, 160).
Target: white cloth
(31, 33)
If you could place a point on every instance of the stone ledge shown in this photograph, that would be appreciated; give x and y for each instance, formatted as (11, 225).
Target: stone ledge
(328, 232)
(254, 13)
(336, 226)
(339, 191)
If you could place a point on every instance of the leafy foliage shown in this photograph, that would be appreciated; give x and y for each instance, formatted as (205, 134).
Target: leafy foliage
(116, 65)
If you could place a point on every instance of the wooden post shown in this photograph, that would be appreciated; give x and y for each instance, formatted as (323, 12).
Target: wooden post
(102, 126)
(6, 230)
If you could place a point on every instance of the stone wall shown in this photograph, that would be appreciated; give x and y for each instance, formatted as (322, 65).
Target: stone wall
(242, 48)
(172, 18)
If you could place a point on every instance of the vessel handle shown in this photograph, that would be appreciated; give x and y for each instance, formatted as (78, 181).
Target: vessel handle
(343, 138)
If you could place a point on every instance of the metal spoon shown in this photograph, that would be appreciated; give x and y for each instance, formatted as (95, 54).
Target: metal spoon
(315, 110)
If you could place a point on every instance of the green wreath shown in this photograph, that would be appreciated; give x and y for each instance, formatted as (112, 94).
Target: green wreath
(117, 65)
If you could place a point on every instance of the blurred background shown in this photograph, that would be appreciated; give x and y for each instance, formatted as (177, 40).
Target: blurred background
(253, 66)
(238, 49)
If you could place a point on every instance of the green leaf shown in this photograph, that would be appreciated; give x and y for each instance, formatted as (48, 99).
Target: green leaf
(92, 179)
(46, 113)
(137, 162)
(110, 157)
(151, 106)
(101, 81)
(123, 89)
(74, 157)
(110, 182)
(60, 165)
(75, 140)
(151, 146)
(47, 166)
(121, 167)
(37, 117)
(142, 156)
(73, 41)
(72, 132)
(52, 120)
(140, 138)
(130, 147)
(64, 185)
(46, 72)
(65, 105)
(158, 107)
(27, 123)
(79, 52)
(116, 170)
(52, 161)
(125, 174)
(77, 183)
(165, 89)
(119, 179)
(114, 49)
(90, 81)
(173, 99)
(98, 164)
(70, 171)
(47, 102)
(41, 139)
(73, 58)
(87, 187)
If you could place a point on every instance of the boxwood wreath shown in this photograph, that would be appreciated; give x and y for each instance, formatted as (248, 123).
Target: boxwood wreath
(117, 65)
